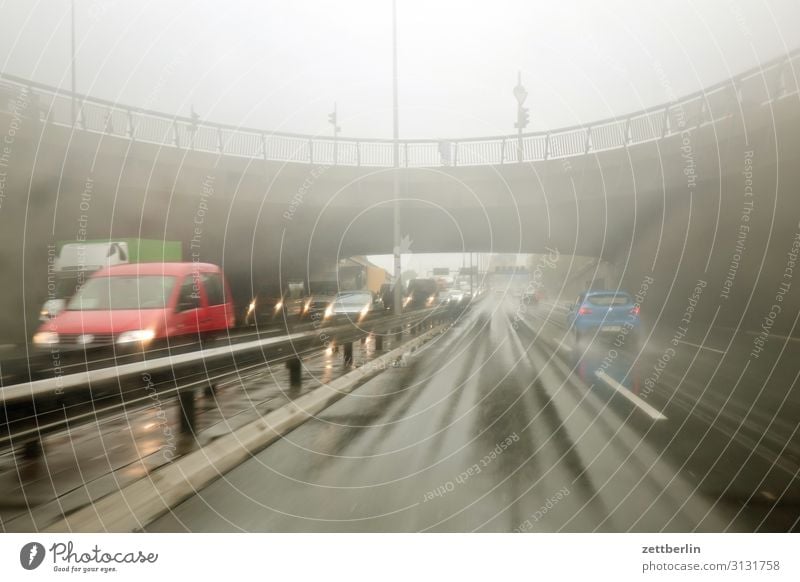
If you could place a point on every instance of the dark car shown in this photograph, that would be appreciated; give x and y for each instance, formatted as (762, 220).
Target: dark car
(386, 294)
(530, 296)
(321, 296)
(421, 293)
(273, 303)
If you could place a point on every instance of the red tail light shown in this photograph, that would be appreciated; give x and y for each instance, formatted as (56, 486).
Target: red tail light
(635, 310)
(584, 311)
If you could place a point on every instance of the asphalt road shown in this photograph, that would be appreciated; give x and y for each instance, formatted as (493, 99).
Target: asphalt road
(503, 424)
(93, 459)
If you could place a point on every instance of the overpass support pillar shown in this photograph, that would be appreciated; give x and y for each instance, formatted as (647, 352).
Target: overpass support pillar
(188, 411)
(348, 354)
(33, 449)
(378, 341)
(295, 372)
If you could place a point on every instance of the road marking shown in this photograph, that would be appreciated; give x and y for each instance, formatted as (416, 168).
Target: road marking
(644, 406)
(754, 332)
(701, 347)
(561, 345)
(776, 336)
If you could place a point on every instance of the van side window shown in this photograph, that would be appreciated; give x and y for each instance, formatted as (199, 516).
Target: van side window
(189, 297)
(215, 290)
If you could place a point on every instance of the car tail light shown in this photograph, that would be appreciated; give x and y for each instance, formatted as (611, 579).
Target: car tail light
(635, 310)
(584, 311)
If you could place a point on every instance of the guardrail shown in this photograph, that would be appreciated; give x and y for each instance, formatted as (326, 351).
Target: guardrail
(775, 80)
(36, 408)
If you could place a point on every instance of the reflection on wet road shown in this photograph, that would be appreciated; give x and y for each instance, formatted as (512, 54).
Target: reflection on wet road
(504, 424)
(94, 459)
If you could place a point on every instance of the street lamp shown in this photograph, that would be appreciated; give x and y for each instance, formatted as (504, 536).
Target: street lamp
(72, 61)
(397, 303)
(523, 117)
(333, 120)
(195, 121)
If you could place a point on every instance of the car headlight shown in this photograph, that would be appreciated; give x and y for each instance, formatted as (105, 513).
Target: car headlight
(137, 335)
(363, 313)
(278, 305)
(251, 307)
(329, 311)
(45, 338)
(406, 301)
(307, 306)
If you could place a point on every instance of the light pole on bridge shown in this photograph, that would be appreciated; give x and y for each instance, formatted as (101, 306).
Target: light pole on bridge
(72, 61)
(523, 116)
(397, 303)
(333, 119)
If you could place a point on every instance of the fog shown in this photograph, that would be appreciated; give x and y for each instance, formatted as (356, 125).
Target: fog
(282, 65)
(204, 325)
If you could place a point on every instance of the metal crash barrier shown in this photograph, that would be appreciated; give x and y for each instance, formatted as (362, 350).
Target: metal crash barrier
(37, 408)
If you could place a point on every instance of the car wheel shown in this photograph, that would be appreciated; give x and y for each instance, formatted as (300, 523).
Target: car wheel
(636, 341)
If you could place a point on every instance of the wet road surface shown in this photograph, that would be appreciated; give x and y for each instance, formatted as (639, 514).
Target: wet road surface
(97, 458)
(504, 424)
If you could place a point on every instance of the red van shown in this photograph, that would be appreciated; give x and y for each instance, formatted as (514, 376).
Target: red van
(139, 304)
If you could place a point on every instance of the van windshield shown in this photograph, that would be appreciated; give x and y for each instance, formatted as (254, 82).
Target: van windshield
(123, 292)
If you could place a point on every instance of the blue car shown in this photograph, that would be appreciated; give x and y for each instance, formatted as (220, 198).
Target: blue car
(604, 312)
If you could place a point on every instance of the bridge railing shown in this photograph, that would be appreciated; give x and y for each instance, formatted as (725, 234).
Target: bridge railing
(763, 85)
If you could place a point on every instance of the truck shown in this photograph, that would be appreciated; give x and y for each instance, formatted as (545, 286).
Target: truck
(76, 261)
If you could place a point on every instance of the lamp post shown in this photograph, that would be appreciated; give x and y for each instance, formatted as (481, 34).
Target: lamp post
(195, 121)
(523, 116)
(334, 120)
(471, 275)
(72, 61)
(397, 303)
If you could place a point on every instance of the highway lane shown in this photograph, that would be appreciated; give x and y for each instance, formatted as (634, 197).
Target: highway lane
(493, 427)
(93, 459)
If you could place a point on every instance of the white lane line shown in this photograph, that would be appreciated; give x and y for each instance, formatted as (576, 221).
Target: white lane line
(701, 347)
(644, 406)
(776, 336)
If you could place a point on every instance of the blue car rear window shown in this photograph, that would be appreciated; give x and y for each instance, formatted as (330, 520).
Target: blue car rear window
(609, 300)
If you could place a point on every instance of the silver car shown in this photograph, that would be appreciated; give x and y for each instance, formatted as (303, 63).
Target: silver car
(353, 305)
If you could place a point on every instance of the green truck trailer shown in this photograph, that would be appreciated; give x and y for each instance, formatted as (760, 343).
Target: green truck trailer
(76, 261)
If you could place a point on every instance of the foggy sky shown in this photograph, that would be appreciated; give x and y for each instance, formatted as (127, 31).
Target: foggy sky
(281, 65)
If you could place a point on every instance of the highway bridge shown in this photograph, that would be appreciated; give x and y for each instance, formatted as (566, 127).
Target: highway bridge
(494, 418)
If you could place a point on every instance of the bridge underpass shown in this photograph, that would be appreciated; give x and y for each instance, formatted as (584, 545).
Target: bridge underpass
(637, 208)
(655, 208)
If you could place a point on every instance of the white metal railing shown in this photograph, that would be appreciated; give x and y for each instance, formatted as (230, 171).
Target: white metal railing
(765, 84)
